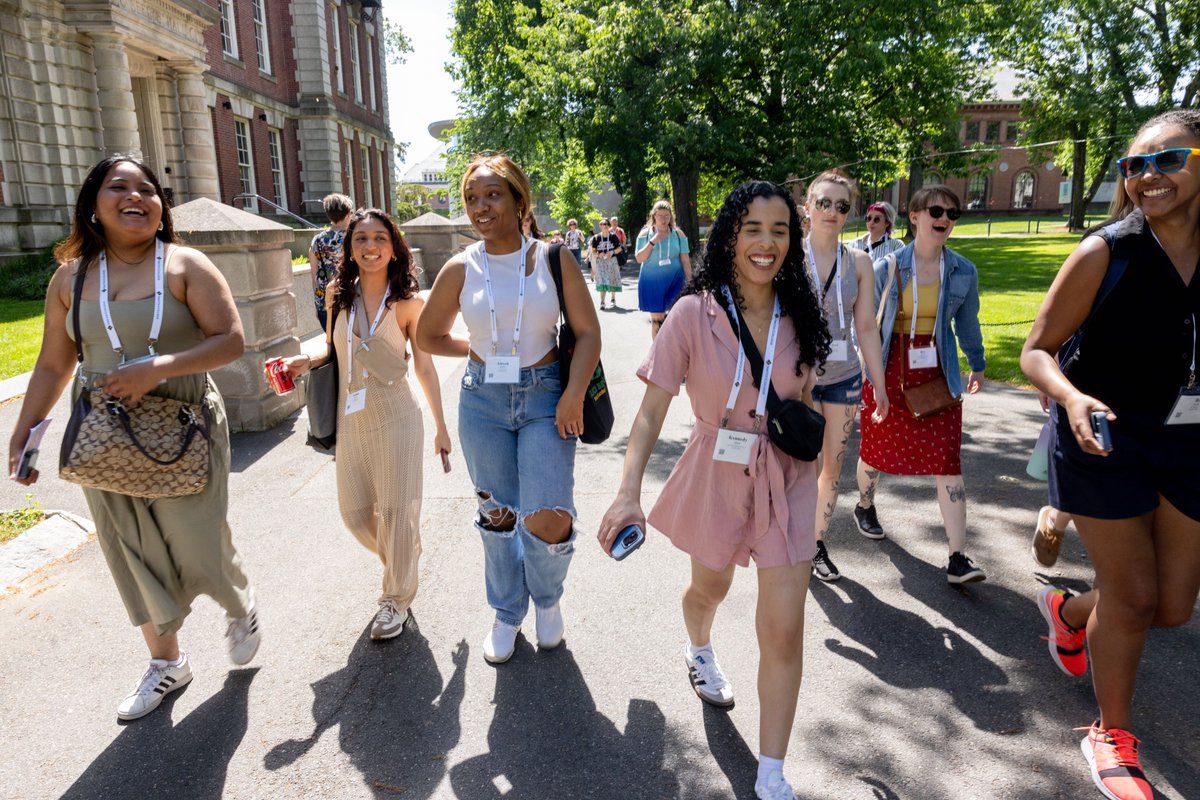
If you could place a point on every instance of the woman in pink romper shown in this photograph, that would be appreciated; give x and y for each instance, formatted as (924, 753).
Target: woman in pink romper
(724, 505)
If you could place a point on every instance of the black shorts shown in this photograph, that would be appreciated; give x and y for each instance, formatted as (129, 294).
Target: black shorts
(1148, 459)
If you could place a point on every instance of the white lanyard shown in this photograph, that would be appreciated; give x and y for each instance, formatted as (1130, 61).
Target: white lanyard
(370, 331)
(764, 386)
(941, 279)
(156, 325)
(669, 237)
(487, 285)
(837, 281)
(1192, 374)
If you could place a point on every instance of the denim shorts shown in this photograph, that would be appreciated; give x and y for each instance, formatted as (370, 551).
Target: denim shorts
(846, 393)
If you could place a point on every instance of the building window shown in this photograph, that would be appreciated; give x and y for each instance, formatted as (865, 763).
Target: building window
(1012, 131)
(977, 191)
(241, 138)
(260, 36)
(229, 43)
(1023, 186)
(336, 35)
(993, 132)
(383, 181)
(368, 195)
(275, 143)
(355, 67)
(972, 132)
(348, 160)
(371, 70)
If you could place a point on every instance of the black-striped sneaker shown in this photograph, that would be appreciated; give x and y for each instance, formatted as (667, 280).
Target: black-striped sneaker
(159, 680)
(708, 681)
(822, 565)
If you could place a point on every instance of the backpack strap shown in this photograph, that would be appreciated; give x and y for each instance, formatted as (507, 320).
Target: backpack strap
(555, 259)
(1068, 354)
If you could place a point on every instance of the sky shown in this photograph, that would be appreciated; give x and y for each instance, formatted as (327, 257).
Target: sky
(420, 91)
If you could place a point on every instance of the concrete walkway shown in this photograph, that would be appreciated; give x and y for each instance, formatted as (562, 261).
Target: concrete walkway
(912, 689)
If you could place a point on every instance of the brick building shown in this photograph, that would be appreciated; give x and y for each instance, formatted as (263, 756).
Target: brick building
(280, 99)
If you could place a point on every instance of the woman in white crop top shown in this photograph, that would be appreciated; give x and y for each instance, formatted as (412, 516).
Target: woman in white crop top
(518, 418)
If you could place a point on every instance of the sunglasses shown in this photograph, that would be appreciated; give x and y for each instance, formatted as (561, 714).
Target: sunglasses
(936, 212)
(1165, 162)
(874, 218)
(824, 204)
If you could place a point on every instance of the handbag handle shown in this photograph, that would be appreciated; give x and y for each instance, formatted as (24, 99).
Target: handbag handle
(555, 259)
(887, 289)
(118, 411)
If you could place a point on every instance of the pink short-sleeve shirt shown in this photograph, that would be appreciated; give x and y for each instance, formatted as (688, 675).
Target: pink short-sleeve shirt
(717, 512)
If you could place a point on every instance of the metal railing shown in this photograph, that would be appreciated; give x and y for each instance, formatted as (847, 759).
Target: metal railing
(278, 208)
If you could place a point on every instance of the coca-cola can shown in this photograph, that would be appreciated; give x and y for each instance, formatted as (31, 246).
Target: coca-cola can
(278, 376)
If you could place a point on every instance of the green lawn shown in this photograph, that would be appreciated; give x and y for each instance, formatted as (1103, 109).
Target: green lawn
(977, 225)
(20, 335)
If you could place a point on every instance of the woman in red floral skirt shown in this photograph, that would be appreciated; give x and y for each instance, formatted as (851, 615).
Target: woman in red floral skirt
(917, 334)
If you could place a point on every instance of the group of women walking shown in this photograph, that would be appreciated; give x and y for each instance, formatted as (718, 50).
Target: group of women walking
(768, 319)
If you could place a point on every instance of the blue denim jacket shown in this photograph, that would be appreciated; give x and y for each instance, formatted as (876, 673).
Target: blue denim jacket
(958, 300)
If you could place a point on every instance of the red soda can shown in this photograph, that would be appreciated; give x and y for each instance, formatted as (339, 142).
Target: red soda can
(278, 376)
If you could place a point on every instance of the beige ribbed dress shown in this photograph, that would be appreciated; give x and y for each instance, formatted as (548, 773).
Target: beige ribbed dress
(164, 552)
(379, 478)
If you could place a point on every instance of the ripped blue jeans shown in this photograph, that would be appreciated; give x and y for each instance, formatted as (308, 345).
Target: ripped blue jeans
(519, 463)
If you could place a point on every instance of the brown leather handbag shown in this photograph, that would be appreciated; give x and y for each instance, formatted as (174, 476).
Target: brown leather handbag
(929, 398)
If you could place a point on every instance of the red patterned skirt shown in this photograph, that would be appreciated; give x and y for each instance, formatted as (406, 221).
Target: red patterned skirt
(903, 444)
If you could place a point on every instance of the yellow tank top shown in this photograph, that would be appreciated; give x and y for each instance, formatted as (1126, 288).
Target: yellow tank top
(927, 300)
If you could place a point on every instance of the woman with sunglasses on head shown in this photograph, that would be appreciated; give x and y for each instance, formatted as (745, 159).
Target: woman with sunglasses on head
(1124, 449)
(163, 552)
(931, 288)
(734, 495)
(374, 304)
(878, 241)
(518, 418)
(663, 253)
(845, 284)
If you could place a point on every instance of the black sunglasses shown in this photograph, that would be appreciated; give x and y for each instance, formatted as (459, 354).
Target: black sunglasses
(874, 218)
(824, 204)
(1165, 161)
(936, 212)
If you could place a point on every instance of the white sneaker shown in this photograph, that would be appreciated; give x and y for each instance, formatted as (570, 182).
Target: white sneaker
(242, 637)
(775, 787)
(549, 623)
(498, 646)
(389, 622)
(159, 680)
(708, 681)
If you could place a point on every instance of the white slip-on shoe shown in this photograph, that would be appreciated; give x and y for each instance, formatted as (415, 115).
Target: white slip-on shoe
(498, 646)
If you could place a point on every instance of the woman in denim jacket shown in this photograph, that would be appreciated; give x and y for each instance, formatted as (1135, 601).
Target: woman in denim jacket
(946, 291)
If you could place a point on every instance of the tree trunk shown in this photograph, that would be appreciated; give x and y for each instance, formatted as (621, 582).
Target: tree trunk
(916, 177)
(1078, 167)
(636, 207)
(685, 186)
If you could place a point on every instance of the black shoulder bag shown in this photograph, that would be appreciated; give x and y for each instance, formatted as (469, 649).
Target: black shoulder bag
(322, 398)
(792, 425)
(597, 403)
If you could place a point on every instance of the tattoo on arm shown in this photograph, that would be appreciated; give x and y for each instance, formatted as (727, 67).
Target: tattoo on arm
(958, 494)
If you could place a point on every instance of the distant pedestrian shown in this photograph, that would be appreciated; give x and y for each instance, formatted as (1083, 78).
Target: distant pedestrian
(1126, 433)
(663, 253)
(518, 418)
(734, 496)
(530, 229)
(162, 552)
(574, 239)
(603, 249)
(931, 309)
(325, 252)
(622, 256)
(376, 303)
(879, 241)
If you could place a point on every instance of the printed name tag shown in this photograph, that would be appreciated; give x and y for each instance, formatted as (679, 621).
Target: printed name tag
(356, 401)
(733, 446)
(502, 369)
(664, 262)
(1187, 408)
(839, 350)
(922, 357)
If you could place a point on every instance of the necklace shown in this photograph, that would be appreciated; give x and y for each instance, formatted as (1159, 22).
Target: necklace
(139, 260)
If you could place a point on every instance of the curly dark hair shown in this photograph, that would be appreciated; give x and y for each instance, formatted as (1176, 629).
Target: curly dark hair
(402, 272)
(797, 299)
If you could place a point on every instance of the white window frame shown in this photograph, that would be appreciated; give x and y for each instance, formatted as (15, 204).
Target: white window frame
(368, 193)
(371, 70)
(261, 37)
(275, 148)
(336, 35)
(244, 148)
(349, 159)
(383, 182)
(355, 65)
(229, 40)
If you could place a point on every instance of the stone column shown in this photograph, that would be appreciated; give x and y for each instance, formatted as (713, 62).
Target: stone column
(199, 151)
(114, 90)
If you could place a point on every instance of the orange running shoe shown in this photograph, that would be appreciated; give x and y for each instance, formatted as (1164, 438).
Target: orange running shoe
(1113, 757)
(1067, 645)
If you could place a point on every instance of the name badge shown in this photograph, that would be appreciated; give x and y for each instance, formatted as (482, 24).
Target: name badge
(839, 350)
(922, 357)
(356, 401)
(664, 262)
(733, 446)
(502, 369)
(1187, 408)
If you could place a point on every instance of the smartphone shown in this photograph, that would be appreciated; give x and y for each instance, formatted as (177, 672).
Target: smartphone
(445, 460)
(1101, 430)
(627, 541)
(27, 463)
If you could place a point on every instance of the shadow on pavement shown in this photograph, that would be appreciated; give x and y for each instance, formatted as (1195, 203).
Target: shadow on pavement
(397, 719)
(730, 751)
(249, 446)
(154, 757)
(548, 740)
